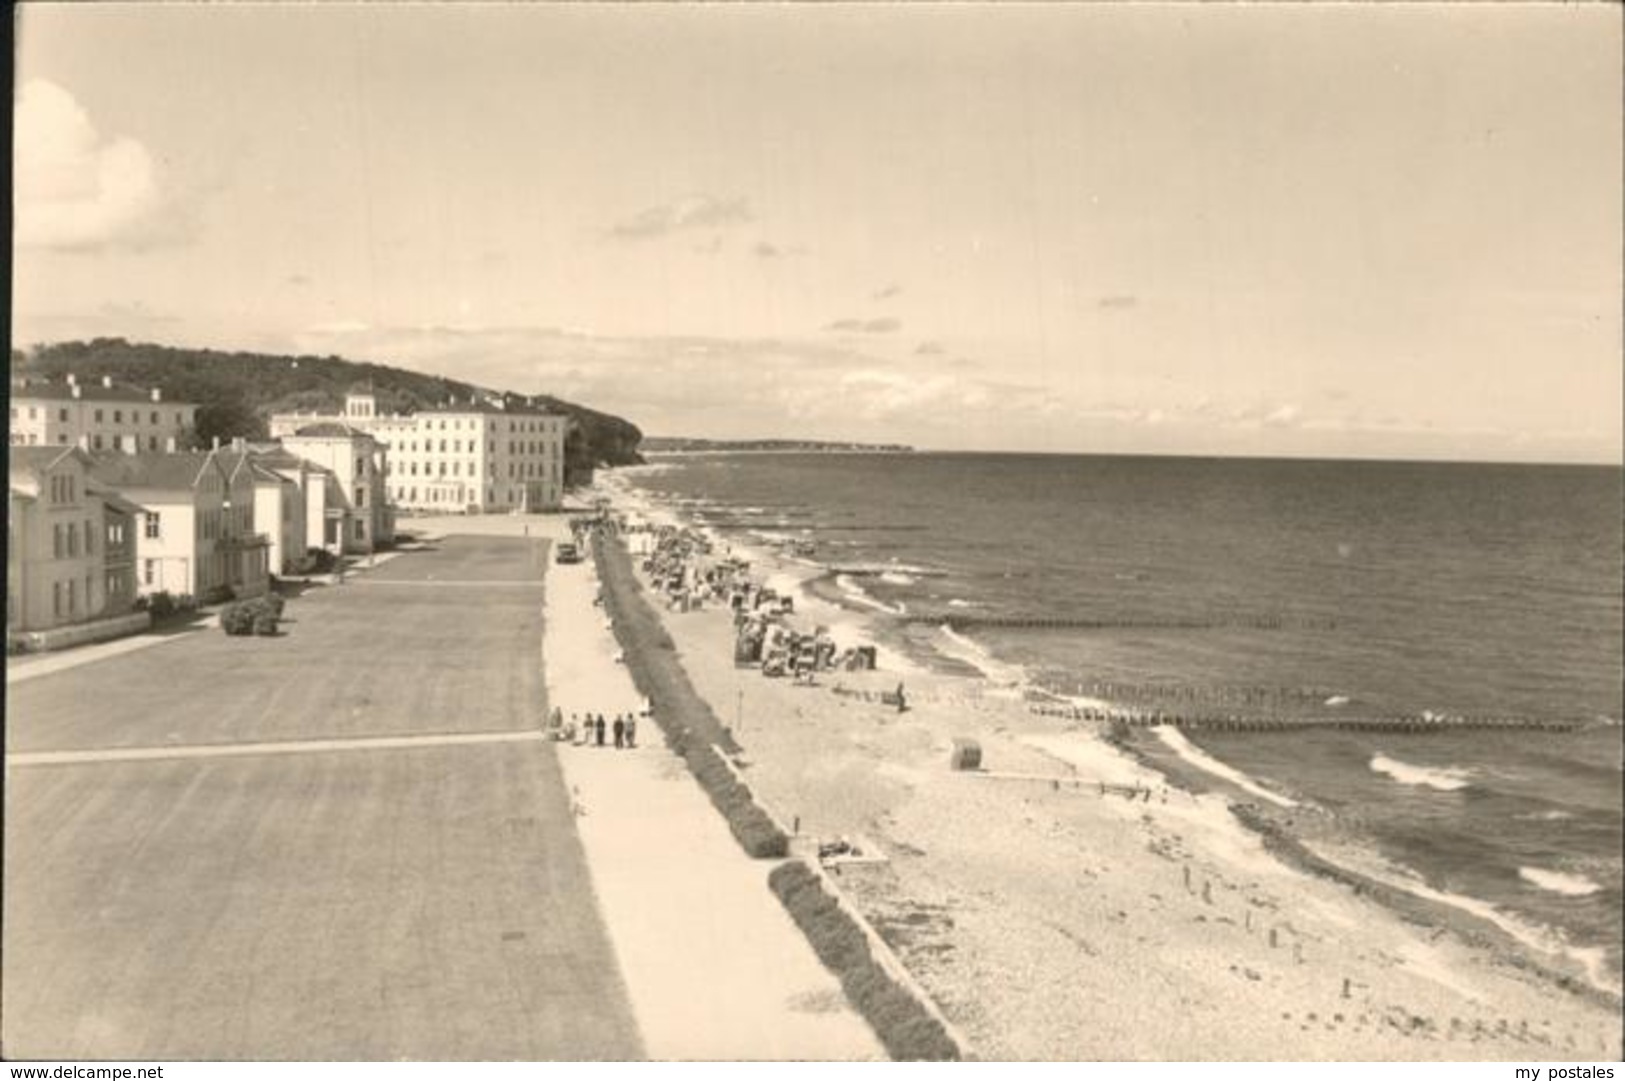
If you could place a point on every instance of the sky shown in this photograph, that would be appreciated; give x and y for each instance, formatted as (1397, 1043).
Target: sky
(1297, 230)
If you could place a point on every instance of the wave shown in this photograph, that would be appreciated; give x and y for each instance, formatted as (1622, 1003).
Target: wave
(1184, 748)
(861, 596)
(953, 644)
(1444, 779)
(1558, 882)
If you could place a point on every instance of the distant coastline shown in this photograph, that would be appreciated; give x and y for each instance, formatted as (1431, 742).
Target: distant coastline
(675, 445)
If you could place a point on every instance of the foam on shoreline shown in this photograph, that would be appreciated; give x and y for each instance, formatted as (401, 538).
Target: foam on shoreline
(1176, 741)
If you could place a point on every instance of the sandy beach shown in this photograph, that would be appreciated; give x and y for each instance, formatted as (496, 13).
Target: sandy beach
(1067, 901)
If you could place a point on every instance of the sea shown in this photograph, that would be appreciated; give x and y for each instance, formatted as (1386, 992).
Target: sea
(1245, 587)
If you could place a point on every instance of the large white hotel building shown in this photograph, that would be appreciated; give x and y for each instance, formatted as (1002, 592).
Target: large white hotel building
(475, 458)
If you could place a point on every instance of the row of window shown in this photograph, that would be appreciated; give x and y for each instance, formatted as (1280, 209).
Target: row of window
(515, 446)
(496, 425)
(99, 415)
(409, 495)
(66, 598)
(64, 488)
(515, 470)
(66, 542)
(32, 439)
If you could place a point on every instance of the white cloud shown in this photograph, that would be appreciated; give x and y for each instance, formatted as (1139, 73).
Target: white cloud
(692, 212)
(75, 189)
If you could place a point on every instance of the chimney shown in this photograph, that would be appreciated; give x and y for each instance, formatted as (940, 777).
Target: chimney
(107, 381)
(157, 395)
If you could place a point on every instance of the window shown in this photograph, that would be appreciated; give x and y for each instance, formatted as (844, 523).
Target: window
(154, 526)
(62, 414)
(96, 441)
(152, 442)
(155, 416)
(56, 541)
(90, 540)
(98, 421)
(360, 496)
(178, 420)
(146, 571)
(73, 595)
(118, 416)
(360, 466)
(73, 539)
(56, 598)
(112, 586)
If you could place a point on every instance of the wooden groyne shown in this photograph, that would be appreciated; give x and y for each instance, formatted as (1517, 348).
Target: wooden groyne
(1411, 724)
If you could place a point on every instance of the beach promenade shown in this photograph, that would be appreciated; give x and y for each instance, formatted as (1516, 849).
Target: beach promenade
(344, 843)
(714, 967)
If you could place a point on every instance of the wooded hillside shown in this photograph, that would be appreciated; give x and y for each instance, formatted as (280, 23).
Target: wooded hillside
(237, 392)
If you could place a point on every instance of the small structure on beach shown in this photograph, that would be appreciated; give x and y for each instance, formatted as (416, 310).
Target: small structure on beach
(966, 755)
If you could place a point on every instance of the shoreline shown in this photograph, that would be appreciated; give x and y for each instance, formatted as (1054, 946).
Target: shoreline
(893, 781)
(1358, 864)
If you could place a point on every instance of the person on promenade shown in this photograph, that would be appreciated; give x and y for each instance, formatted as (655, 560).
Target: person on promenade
(599, 729)
(620, 732)
(631, 730)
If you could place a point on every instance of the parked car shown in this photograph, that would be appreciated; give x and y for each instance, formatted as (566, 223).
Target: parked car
(567, 553)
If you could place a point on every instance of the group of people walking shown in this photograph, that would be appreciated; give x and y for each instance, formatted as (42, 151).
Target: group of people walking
(593, 731)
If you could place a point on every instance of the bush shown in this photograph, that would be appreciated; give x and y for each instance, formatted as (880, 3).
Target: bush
(243, 618)
(314, 561)
(907, 1029)
(275, 603)
(185, 602)
(160, 604)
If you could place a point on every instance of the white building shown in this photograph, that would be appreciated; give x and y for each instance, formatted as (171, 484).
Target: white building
(97, 416)
(196, 533)
(357, 517)
(472, 458)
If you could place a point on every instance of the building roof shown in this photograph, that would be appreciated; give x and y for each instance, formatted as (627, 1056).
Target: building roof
(332, 429)
(158, 472)
(489, 409)
(30, 458)
(117, 502)
(278, 457)
(32, 389)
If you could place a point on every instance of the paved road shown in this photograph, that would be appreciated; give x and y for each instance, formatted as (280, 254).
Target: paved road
(422, 896)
